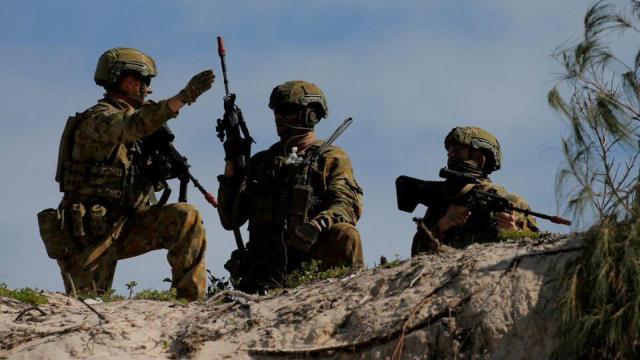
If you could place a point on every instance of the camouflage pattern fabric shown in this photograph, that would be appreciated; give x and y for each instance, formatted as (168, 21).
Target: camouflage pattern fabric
(107, 137)
(263, 199)
(175, 227)
(299, 92)
(478, 228)
(112, 125)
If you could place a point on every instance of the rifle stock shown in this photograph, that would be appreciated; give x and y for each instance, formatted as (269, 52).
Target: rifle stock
(411, 192)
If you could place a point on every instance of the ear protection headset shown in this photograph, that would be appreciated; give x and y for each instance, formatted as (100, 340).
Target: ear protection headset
(309, 116)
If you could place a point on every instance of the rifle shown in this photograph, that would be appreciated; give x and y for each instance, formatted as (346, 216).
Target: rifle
(237, 146)
(411, 192)
(167, 163)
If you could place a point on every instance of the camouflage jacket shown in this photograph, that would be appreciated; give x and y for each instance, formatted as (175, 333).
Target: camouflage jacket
(479, 228)
(268, 195)
(98, 151)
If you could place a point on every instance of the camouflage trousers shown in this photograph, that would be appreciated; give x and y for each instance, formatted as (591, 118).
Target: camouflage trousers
(268, 259)
(175, 227)
(340, 245)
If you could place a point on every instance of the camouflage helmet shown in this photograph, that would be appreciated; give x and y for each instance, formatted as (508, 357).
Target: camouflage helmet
(477, 138)
(114, 61)
(299, 92)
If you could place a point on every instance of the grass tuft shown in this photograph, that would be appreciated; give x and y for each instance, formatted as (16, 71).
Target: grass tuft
(310, 272)
(159, 295)
(107, 296)
(26, 295)
(517, 235)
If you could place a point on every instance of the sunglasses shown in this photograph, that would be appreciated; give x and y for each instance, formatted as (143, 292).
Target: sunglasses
(287, 109)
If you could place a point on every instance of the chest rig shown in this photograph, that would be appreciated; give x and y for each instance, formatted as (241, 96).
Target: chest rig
(109, 181)
(284, 192)
(97, 192)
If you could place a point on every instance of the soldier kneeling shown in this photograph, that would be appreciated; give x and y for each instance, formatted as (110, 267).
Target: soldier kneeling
(105, 215)
(299, 207)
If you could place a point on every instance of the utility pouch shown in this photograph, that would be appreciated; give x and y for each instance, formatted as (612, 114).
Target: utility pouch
(301, 197)
(77, 218)
(98, 220)
(57, 244)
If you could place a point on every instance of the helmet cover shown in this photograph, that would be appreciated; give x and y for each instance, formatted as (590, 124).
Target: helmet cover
(299, 92)
(114, 62)
(478, 139)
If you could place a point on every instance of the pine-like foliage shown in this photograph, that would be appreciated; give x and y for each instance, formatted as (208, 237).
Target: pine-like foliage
(599, 95)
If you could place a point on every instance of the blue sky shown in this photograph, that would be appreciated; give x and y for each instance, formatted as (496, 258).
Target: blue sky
(406, 71)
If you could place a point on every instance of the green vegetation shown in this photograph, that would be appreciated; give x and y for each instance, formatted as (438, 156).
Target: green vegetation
(390, 264)
(599, 95)
(517, 235)
(384, 264)
(159, 295)
(27, 295)
(600, 311)
(216, 285)
(147, 294)
(130, 286)
(107, 296)
(310, 272)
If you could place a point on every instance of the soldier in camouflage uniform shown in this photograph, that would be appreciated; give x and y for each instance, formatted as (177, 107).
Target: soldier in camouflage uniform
(297, 211)
(476, 152)
(105, 212)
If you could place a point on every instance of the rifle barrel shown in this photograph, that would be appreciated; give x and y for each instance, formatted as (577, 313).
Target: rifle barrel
(207, 195)
(553, 218)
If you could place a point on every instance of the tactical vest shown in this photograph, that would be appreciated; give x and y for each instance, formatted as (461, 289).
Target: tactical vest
(102, 181)
(283, 194)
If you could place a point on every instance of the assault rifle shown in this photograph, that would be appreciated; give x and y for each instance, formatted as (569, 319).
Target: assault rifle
(237, 146)
(167, 163)
(411, 192)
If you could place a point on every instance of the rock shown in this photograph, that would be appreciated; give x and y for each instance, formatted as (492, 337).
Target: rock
(493, 301)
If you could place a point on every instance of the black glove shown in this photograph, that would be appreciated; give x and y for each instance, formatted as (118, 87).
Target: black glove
(196, 86)
(304, 236)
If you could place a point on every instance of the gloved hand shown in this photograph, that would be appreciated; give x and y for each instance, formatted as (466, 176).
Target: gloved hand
(304, 236)
(197, 86)
(505, 221)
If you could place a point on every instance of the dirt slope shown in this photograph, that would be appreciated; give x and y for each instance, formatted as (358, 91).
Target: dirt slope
(488, 301)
